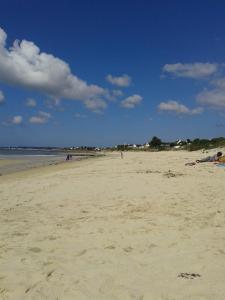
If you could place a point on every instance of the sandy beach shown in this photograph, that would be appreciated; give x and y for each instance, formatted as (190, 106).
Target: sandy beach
(139, 228)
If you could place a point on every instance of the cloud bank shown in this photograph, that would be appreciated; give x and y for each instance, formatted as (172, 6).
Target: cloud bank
(26, 66)
(212, 96)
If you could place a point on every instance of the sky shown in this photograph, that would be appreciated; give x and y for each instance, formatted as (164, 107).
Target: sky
(101, 73)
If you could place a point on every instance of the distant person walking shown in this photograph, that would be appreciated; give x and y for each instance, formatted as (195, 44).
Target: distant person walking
(121, 155)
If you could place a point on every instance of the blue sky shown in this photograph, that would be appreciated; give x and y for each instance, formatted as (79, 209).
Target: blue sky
(109, 72)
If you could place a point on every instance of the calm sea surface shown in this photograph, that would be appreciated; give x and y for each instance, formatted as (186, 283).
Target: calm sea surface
(29, 152)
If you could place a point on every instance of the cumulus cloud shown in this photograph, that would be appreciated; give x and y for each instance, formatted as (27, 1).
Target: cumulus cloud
(41, 118)
(177, 108)
(114, 95)
(2, 97)
(132, 101)
(26, 66)
(17, 120)
(196, 70)
(31, 102)
(219, 83)
(121, 81)
(96, 105)
(214, 98)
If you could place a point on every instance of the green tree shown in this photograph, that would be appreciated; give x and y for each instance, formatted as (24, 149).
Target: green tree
(155, 142)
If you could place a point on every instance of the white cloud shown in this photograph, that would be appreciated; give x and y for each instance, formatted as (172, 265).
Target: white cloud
(96, 105)
(114, 95)
(31, 102)
(25, 66)
(219, 83)
(196, 70)
(121, 81)
(214, 98)
(2, 97)
(53, 103)
(17, 120)
(177, 108)
(132, 101)
(41, 118)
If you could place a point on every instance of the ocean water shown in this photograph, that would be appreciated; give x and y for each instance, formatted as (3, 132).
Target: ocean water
(29, 152)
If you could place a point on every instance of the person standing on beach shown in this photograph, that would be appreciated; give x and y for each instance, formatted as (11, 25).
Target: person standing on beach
(121, 155)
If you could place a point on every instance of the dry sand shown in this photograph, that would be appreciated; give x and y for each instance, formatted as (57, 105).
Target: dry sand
(143, 227)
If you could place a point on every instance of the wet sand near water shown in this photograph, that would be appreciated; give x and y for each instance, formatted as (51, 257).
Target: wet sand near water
(12, 164)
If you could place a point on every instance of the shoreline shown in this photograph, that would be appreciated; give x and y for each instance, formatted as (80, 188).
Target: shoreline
(10, 165)
(25, 164)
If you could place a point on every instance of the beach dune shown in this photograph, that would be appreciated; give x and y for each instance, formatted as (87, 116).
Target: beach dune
(138, 228)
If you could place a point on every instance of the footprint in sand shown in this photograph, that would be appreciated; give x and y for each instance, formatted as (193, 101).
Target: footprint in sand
(49, 274)
(189, 275)
(110, 247)
(3, 292)
(35, 249)
(82, 252)
(128, 249)
(52, 238)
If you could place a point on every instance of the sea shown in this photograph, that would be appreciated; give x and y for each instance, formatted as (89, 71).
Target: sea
(4, 152)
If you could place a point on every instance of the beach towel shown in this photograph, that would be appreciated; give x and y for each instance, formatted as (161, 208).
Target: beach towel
(221, 159)
(221, 165)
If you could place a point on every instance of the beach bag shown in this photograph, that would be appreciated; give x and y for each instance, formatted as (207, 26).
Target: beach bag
(221, 159)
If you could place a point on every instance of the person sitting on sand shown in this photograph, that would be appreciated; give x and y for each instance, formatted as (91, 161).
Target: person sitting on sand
(210, 158)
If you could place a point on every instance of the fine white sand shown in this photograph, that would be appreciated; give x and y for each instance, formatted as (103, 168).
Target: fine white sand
(142, 227)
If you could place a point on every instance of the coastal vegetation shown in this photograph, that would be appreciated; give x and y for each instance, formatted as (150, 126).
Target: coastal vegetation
(156, 144)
